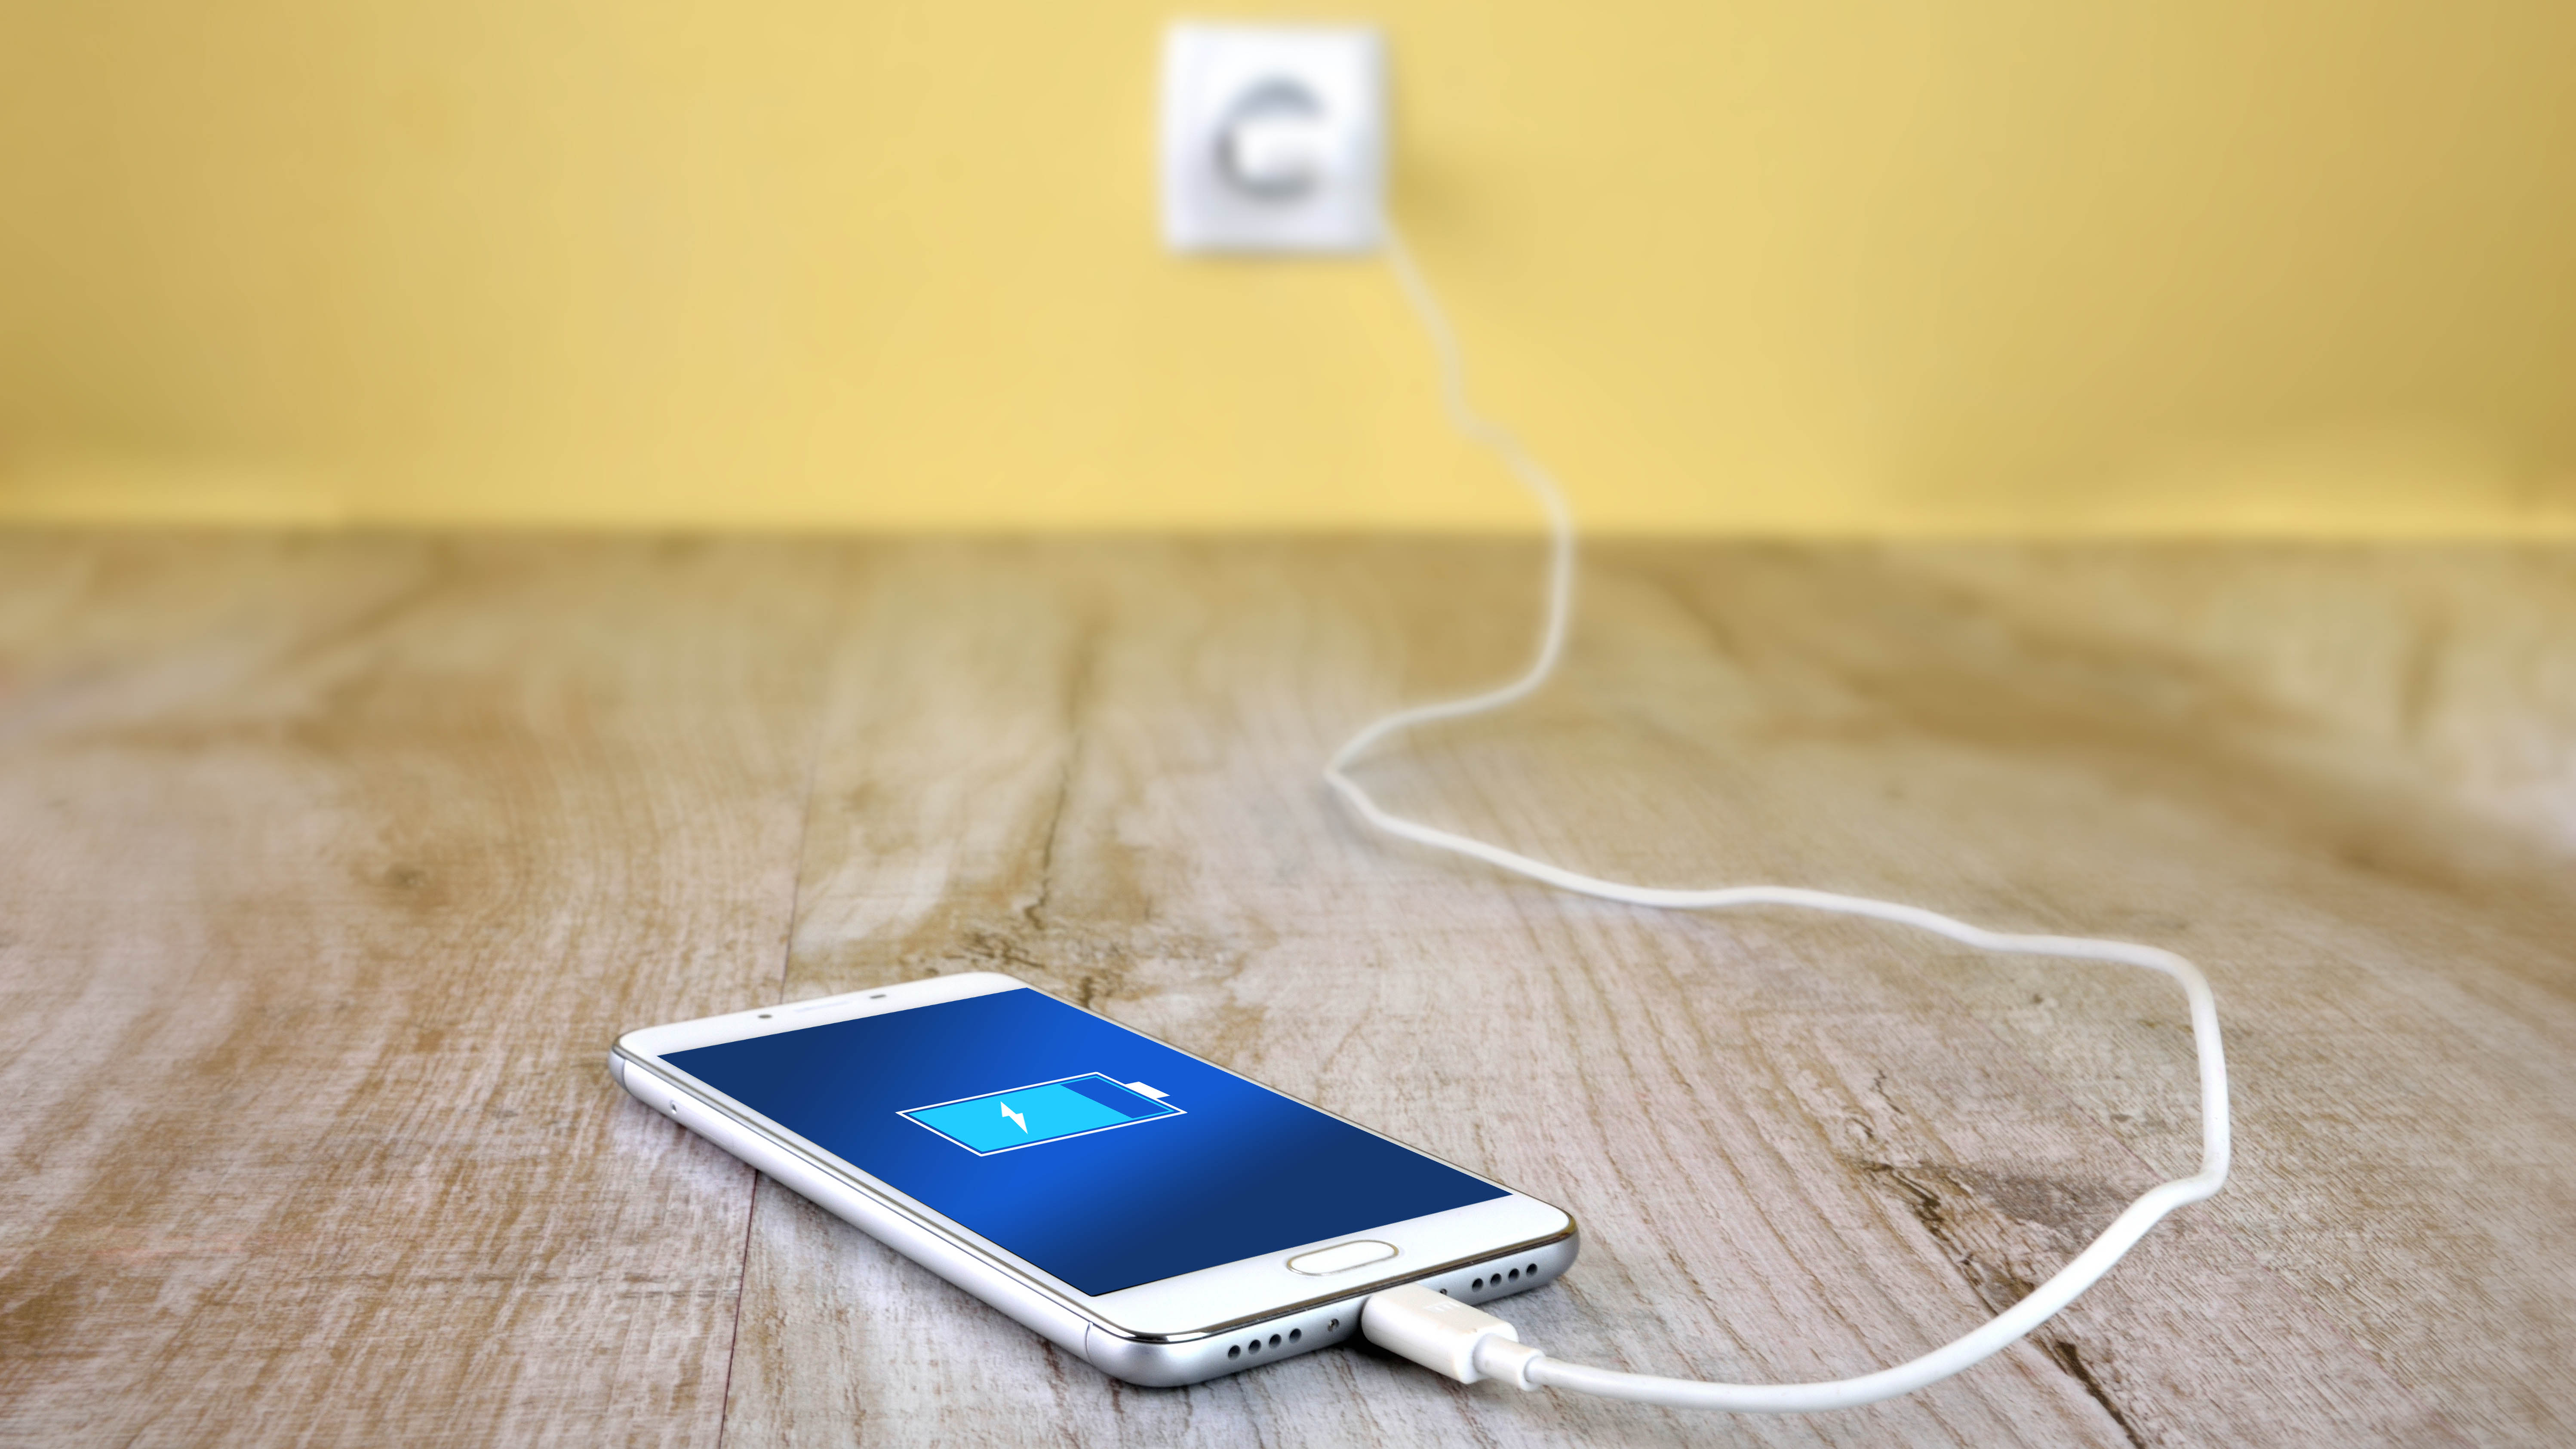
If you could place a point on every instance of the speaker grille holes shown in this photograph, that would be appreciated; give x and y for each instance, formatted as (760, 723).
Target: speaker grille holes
(1515, 1275)
(1235, 1352)
(1476, 1287)
(1274, 1340)
(1295, 1334)
(1255, 1345)
(1533, 1268)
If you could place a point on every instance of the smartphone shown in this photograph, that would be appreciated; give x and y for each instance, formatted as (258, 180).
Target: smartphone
(1159, 1216)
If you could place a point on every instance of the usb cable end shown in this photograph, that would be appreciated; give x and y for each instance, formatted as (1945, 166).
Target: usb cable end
(1440, 1333)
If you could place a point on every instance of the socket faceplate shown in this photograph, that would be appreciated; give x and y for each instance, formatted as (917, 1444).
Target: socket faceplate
(1245, 106)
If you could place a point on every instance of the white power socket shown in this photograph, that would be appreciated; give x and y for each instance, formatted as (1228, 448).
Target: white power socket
(1274, 138)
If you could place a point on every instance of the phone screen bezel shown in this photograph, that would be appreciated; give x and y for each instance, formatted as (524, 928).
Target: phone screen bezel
(1208, 1300)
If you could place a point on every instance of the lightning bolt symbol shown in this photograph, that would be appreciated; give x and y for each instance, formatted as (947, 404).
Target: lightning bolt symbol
(1014, 1116)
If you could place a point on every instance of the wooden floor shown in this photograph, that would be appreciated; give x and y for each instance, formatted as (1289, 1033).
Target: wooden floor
(330, 868)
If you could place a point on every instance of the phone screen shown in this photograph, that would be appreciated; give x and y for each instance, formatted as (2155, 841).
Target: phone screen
(1103, 1157)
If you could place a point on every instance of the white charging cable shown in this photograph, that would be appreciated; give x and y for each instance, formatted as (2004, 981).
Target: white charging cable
(1467, 1343)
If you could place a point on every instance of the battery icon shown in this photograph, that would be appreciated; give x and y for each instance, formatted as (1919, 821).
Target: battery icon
(1018, 1117)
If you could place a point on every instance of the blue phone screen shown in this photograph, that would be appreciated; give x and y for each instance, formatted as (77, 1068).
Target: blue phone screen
(1103, 1157)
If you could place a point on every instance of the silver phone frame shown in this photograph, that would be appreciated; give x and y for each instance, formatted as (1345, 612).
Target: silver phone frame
(1154, 1338)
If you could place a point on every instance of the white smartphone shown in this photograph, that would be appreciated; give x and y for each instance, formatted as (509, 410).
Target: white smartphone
(1161, 1217)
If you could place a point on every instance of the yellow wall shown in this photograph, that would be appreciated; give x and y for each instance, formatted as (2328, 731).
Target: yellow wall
(1780, 265)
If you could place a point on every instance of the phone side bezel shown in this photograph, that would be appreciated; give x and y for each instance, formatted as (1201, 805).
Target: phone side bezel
(1173, 1310)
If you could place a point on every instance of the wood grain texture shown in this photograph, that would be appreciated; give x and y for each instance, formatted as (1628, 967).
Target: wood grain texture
(330, 867)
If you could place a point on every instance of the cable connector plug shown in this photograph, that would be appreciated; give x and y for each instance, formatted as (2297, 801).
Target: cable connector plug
(1439, 1332)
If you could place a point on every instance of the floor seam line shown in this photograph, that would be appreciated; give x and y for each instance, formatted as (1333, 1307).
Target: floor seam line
(827, 712)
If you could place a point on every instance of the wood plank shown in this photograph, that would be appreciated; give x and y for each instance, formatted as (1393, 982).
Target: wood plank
(2453, 662)
(1892, 1140)
(331, 868)
(2393, 966)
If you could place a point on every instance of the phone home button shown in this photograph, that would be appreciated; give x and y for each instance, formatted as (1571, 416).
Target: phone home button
(1342, 1257)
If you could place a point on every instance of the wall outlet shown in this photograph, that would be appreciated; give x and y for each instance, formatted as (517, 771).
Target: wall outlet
(1274, 138)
